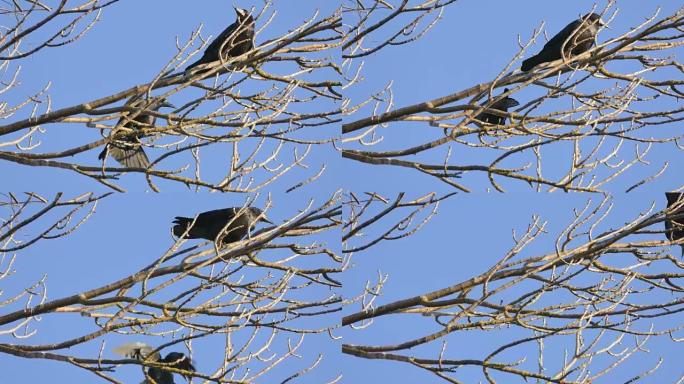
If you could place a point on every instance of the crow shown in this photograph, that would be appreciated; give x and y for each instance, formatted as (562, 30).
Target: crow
(675, 229)
(127, 150)
(501, 105)
(234, 41)
(576, 38)
(143, 351)
(209, 225)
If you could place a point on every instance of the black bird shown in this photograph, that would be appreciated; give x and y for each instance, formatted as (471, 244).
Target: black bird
(675, 229)
(576, 38)
(501, 105)
(143, 351)
(209, 225)
(127, 150)
(234, 41)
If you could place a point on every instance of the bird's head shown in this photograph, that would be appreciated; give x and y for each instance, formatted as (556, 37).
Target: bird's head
(242, 14)
(166, 104)
(180, 361)
(259, 215)
(594, 18)
(509, 102)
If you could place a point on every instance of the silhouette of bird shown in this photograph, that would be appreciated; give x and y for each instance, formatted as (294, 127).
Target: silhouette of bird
(128, 150)
(143, 351)
(675, 228)
(209, 225)
(501, 105)
(576, 38)
(234, 41)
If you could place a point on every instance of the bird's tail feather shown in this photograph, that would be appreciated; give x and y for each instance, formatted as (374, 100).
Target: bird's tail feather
(182, 224)
(131, 158)
(128, 157)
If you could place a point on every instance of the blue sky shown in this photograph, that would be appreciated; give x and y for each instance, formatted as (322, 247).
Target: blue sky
(468, 46)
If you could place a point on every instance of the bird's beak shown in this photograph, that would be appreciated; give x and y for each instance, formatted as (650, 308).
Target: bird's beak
(168, 105)
(265, 219)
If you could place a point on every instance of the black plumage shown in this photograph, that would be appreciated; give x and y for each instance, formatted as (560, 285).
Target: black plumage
(174, 360)
(209, 225)
(500, 105)
(127, 150)
(576, 38)
(234, 41)
(159, 375)
(675, 228)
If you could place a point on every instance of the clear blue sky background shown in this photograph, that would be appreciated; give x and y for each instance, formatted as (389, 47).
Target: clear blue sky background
(470, 45)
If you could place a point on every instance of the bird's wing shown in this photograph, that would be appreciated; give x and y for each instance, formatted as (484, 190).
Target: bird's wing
(211, 53)
(220, 39)
(144, 119)
(134, 102)
(217, 215)
(563, 35)
(133, 349)
(141, 118)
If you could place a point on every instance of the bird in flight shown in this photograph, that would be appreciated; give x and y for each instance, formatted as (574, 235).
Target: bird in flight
(576, 38)
(234, 41)
(228, 225)
(127, 150)
(142, 351)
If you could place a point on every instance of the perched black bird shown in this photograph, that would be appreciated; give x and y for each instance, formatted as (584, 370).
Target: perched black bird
(501, 105)
(127, 150)
(675, 229)
(234, 41)
(143, 351)
(209, 225)
(576, 38)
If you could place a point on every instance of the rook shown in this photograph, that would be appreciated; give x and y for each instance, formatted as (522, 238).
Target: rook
(576, 38)
(501, 105)
(127, 150)
(143, 351)
(234, 41)
(209, 225)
